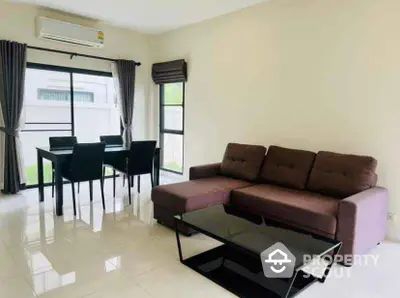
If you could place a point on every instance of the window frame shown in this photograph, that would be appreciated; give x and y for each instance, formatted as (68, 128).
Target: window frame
(164, 130)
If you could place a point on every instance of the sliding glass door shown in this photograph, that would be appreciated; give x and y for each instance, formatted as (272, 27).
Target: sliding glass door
(63, 102)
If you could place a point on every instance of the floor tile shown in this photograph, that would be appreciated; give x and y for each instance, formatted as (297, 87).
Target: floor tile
(123, 252)
(172, 281)
(123, 287)
(8, 268)
(14, 287)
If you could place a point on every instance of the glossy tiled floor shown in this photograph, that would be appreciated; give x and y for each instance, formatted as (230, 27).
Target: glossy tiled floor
(123, 253)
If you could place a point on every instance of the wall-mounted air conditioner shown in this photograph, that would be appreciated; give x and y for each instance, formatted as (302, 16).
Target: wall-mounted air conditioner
(69, 33)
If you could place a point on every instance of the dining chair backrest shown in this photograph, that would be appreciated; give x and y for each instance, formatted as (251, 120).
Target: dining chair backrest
(112, 140)
(140, 158)
(62, 142)
(87, 161)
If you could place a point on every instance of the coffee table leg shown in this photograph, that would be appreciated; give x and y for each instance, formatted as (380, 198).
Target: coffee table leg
(59, 189)
(40, 176)
(328, 268)
(322, 279)
(178, 240)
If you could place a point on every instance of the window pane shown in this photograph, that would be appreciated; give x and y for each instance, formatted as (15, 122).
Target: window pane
(173, 117)
(172, 152)
(173, 94)
(95, 107)
(52, 105)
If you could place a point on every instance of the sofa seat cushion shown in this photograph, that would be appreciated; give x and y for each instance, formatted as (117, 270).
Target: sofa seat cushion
(306, 210)
(242, 161)
(195, 194)
(342, 175)
(287, 167)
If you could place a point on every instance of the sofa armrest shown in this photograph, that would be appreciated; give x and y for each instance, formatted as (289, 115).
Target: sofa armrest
(204, 171)
(362, 221)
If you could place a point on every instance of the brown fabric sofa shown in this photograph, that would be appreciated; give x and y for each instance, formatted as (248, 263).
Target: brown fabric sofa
(329, 194)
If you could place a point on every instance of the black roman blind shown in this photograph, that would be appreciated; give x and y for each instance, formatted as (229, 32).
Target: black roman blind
(170, 72)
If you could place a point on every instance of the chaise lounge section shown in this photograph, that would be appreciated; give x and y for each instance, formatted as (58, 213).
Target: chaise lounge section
(328, 194)
(207, 187)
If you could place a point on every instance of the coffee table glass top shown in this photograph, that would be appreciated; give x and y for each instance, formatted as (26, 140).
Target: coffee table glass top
(254, 233)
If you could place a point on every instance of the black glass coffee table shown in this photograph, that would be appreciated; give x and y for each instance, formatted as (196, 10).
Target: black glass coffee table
(237, 266)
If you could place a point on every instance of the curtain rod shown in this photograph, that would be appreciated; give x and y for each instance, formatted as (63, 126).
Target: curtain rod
(72, 55)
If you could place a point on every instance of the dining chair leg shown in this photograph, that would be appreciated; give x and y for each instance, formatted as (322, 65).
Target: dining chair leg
(138, 183)
(52, 183)
(123, 180)
(114, 184)
(152, 180)
(79, 187)
(91, 190)
(102, 193)
(129, 190)
(73, 197)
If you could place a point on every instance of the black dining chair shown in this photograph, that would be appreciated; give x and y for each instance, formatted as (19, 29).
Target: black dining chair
(110, 161)
(86, 164)
(138, 162)
(112, 140)
(59, 143)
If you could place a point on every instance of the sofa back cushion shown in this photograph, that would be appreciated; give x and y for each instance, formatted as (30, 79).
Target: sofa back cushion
(242, 161)
(342, 175)
(287, 167)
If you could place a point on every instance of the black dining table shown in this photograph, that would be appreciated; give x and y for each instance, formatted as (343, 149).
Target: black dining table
(58, 157)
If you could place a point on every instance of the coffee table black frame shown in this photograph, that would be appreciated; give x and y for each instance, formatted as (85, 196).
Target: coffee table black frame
(242, 277)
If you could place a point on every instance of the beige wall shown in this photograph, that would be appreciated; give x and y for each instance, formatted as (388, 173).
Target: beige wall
(317, 75)
(17, 22)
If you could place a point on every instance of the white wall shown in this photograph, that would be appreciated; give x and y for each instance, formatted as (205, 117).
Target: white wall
(17, 23)
(317, 75)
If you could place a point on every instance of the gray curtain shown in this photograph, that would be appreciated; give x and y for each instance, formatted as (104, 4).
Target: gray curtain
(12, 80)
(124, 73)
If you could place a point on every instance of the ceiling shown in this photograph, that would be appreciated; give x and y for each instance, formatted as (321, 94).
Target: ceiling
(147, 16)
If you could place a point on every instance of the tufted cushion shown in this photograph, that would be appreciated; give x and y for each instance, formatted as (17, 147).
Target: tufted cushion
(242, 161)
(342, 174)
(287, 167)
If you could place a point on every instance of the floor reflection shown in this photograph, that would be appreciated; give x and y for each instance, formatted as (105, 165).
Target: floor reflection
(55, 252)
(45, 278)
